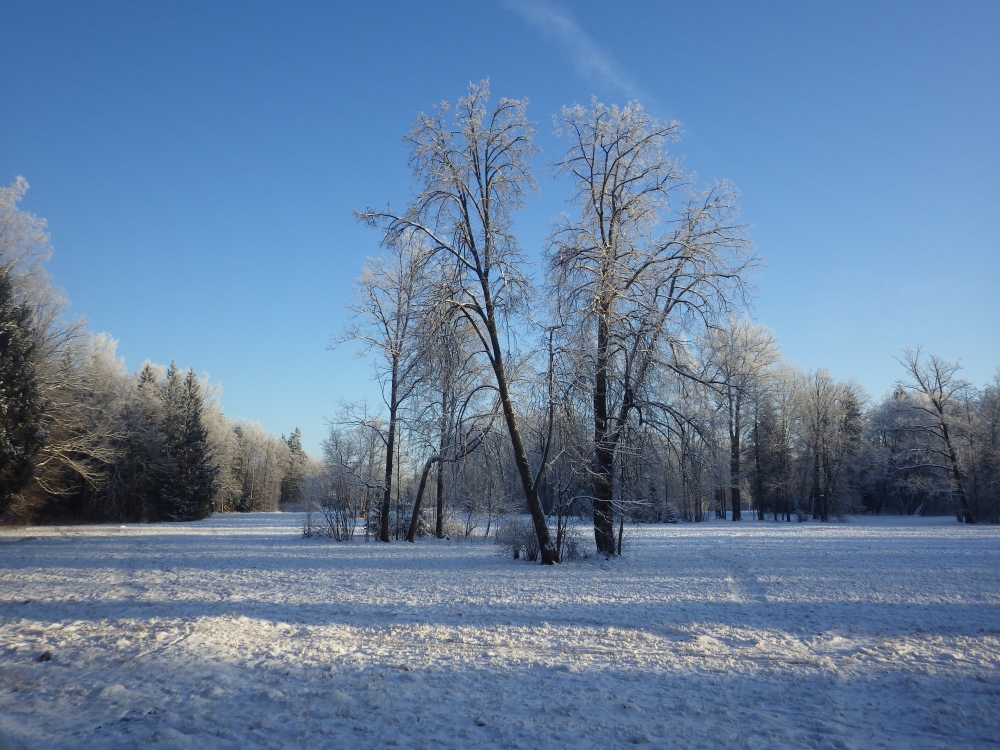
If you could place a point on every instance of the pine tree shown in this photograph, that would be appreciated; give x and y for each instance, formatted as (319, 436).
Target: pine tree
(190, 487)
(21, 405)
(293, 483)
(135, 486)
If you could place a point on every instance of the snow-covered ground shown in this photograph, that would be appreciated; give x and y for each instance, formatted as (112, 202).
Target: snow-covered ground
(237, 633)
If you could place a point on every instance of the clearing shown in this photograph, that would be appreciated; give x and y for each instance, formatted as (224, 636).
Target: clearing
(237, 633)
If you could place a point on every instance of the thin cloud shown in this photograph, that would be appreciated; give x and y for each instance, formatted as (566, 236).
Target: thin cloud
(589, 60)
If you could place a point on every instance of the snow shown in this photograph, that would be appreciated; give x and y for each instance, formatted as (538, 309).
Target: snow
(237, 633)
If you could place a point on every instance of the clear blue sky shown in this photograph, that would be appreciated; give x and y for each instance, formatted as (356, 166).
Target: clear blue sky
(198, 163)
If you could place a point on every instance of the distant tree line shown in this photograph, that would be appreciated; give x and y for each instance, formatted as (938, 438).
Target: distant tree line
(626, 385)
(82, 439)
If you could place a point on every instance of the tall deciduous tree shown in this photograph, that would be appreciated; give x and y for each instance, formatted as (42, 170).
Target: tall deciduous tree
(738, 356)
(644, 262)
(829, 425)
(934, 383)
(474, 166)
(386, 305)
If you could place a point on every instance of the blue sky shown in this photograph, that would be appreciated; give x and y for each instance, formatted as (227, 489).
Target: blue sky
(198, 163)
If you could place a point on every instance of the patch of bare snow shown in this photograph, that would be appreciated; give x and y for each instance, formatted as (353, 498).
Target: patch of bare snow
(237, 633)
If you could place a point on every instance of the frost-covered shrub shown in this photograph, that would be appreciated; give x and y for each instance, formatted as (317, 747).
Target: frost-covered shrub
(516, 537)
(452, 528)
(335, 518)
(572, 545)
(311, 524)
(530, 548)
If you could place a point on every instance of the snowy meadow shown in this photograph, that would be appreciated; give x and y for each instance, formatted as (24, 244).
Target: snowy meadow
(238, 633)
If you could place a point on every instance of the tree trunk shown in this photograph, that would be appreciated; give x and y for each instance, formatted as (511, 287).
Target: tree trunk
(758, 477)
(734, 464)
(547, 550)
(817, 494)
(604, 454)
(390, 447)
(411, 535)
(439, 517)
(666, 492)
(956, 474)
(439, 509)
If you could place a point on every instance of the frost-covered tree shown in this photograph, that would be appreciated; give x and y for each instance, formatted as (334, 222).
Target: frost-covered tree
(257, 463)
(21, 407)
(981, 447)
(190, 482)
(293, 483)
(351, 474)
(474, 168)
(737, 358)
(644, 263)
(386, 304)
(830, 427)
(140, 466)
(937, 394)
(773, 442)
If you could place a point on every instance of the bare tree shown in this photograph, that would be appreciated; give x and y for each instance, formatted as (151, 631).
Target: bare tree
(353, 467)
(256, 465)
(457, 392)
(774, 413)
(829, 426)
(981, 417)
(474, 166)
(74, 459)
(737, 357)
(646, 260)
(386, 301)
(468, 436)
(937, 391)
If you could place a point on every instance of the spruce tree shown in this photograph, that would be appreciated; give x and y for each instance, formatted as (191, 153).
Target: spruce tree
(140, 470)
(21, 405)
(293, 482)
(190, 487)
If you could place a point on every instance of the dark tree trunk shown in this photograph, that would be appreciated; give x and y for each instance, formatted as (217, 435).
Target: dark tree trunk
(604, 454)
(963, 503)
(547, 550)
(666, 493)
(759, 499)
(411, 535)
(439, 510)
(390, 447)
(734, 465)
(439, 516)
(817, 492)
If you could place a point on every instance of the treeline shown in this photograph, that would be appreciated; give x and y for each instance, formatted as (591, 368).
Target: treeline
(624, 384)
(774, 442)
(82, 439)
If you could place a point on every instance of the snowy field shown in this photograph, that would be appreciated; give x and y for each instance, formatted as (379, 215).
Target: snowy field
(237, 633)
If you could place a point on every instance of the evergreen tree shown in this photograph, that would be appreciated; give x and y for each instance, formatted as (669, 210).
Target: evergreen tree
(293, 483)
(190, 486)
(135, 486)
(21, 405)
(242, 476)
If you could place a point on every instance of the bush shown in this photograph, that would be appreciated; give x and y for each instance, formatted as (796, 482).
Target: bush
(337, 519)
(517, 538)
(572, 545)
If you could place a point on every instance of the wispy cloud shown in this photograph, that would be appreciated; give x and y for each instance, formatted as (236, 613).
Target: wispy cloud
(587, 57)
